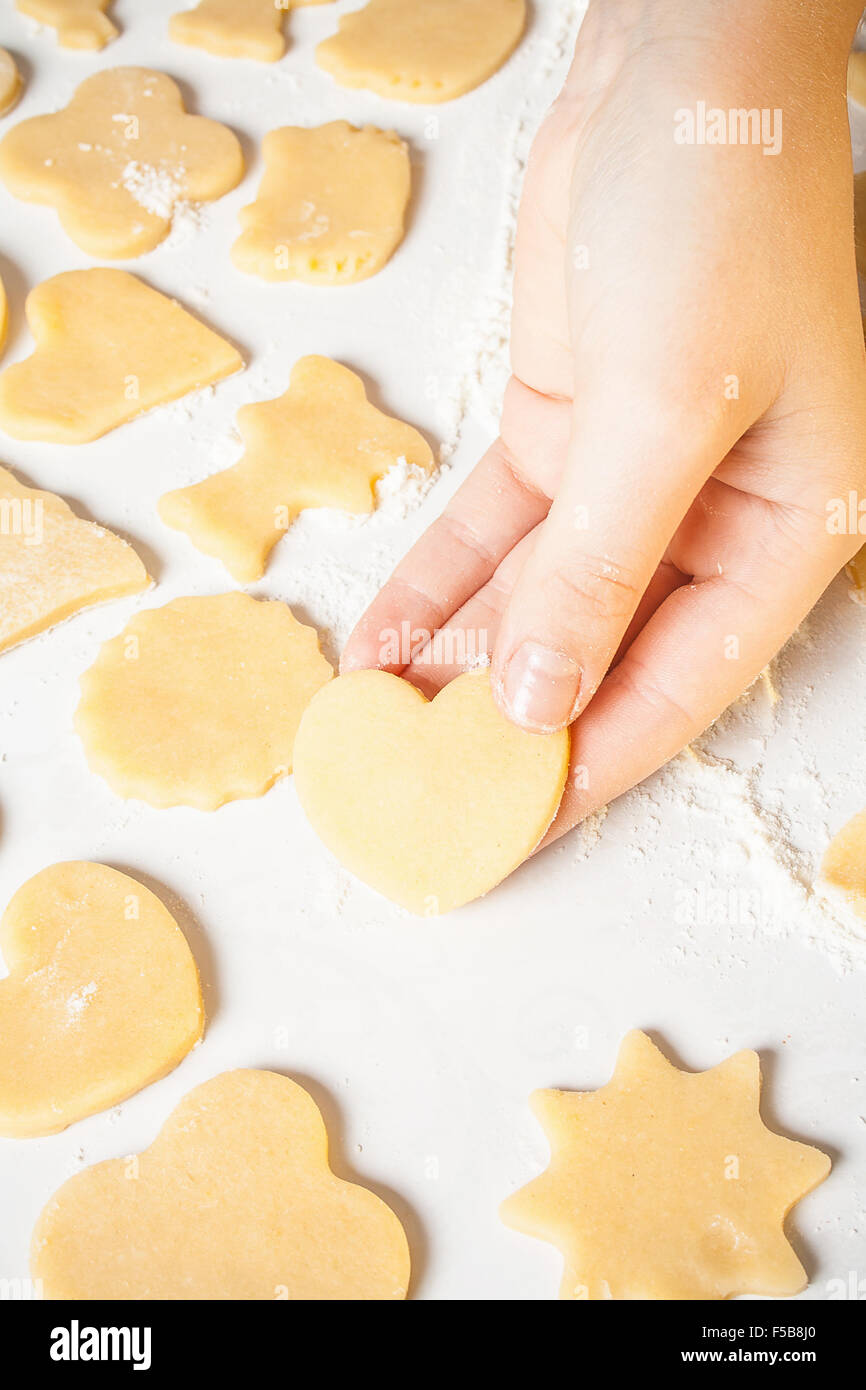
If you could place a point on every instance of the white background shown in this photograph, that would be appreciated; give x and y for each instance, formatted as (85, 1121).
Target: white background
(692, 915)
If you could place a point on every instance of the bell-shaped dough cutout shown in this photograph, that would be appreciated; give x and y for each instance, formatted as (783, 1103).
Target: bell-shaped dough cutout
(108, 348)
(197, 703)
(10, 82)
(423, 50)
(53, 564)
(432, 803)
(81, 24)
(102, 996)
(321, 444)
(118, 160)
(331, 206)
(234, 1199)
(233, 28)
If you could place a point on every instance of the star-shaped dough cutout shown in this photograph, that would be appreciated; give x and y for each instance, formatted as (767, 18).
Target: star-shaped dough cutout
(81, 24)
(321, 444)
(53, 564)
(666, 1184)
(118, 159)
(331, 205)
(236, 28)
(108, 347)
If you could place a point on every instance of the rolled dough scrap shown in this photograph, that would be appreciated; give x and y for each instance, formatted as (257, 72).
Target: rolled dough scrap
(860, 221)
(108, 347)
(844, 864)
(666, 1184)
(423, 50)
(118, 159)
(233, 1200)
(321, 444)
(53, 564)
(857, 77)
(331, 206)
(10, 82)
(197, 703)
(431, 803)
(79, 23)
(102, 996)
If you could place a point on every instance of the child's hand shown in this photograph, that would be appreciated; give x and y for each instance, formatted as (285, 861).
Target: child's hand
(688, 391)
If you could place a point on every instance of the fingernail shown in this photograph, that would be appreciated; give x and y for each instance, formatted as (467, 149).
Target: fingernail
(541, 687)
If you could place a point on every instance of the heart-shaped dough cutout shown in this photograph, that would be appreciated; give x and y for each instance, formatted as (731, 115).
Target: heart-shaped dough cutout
(432, 803)
(102, 996)
(233, 1200)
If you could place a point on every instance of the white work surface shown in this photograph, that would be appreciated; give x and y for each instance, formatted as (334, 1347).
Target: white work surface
(689, 911)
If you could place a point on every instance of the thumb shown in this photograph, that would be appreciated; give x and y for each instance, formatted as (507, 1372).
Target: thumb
(621, 500)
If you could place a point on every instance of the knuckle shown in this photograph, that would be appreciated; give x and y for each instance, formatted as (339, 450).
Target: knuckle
(595, 586)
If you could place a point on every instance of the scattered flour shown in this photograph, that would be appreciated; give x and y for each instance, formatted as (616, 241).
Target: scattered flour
(159, 190)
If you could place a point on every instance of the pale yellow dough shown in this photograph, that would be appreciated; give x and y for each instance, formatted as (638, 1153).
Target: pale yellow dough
(857, 77)
(430, 803)
(118, 159)
(844, 864)
(860, 222)
(423, 50)
(197, 703)
(10, 82)
(81, 24)
(108, 347)
(52, 564)
(233, 1200)
(330, 208)
(236, 28)
(321, 444)
(102, 996)
(4, 316)
(667, 1184)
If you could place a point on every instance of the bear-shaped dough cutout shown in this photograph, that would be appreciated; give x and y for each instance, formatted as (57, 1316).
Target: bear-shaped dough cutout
(108, 348)
(101, 999)
(331, 206)
(432, 803)
(667, 1184)
(320, 444)
(81, 24)
(197, 703)
(10, 82)
(423, 50)
(118, 160)
(53, 564)
(233, 1200)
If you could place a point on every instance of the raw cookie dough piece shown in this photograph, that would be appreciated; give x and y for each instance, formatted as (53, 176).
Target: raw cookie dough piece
(330, 208)
(10, 82)
(118, 159)
(102, 996)
(236, 28)
(233, 1200)
(52, 564)
(857, 77)
(431, 803)
(423, 50)
(844, 864)
(108, 347)
(197, 703)
(4, 316)
(666, 1184)
(80, 24)
(321, 444)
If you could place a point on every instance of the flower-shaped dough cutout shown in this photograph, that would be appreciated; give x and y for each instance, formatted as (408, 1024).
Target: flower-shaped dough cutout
(81, 24)
(197, 703)
(331, 206)
(234, 1200)
(423, 50)
(236, 28)
(432, 803)
(667, 1184)
(320, 444)
(53, 564)
(118, 159)
(108, 347)
(101, 999)
(10, 82)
